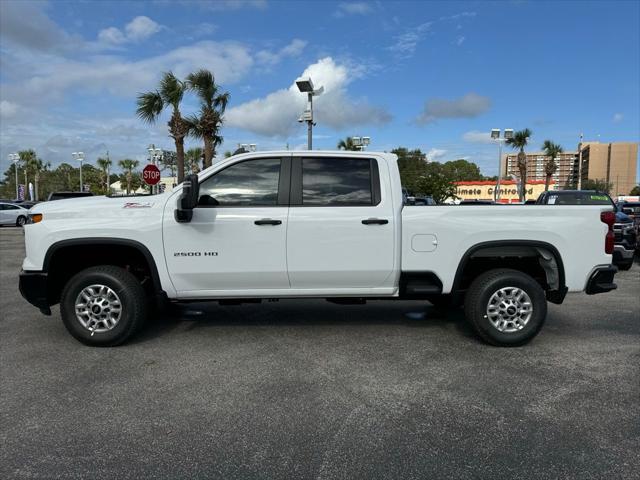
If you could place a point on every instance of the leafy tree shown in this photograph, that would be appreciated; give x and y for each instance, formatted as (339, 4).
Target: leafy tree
(412, 164)
(436, 182)
(462, 170)
(347, 144)
(635, 190)
(206, 125)
(104, 164)
(598, 184)
(168, 161)
(169, 95)
(519, 141)
(551, 150)
(192, 159)
(128, 165)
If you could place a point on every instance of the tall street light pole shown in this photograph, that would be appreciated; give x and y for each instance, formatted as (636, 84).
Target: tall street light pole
(155, 155)
(495, 135)
(305, 85)
(79, 156)
(15, 158)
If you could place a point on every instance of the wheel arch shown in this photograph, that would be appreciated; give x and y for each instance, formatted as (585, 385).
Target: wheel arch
(547, 255)
(115, 251)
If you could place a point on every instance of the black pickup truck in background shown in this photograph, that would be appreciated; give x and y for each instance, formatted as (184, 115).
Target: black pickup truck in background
(624, 229)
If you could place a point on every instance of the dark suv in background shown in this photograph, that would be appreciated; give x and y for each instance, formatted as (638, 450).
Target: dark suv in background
(624, 228)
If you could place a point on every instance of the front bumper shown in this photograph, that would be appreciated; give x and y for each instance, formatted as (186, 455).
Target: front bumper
(601, 280)
(33, 287)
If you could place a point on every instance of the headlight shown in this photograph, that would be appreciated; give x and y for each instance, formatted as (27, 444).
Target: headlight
(34, 218)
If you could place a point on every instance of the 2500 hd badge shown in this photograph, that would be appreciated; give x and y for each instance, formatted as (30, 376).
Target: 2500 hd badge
(195, 254)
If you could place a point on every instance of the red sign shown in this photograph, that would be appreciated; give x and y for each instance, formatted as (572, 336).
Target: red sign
(151, 174)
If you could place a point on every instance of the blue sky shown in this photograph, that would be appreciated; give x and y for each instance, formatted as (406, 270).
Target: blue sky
(431, 75)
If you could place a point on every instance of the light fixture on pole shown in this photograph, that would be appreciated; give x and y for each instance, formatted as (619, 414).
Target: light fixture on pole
(495, 136)
(305, 85)
(249, 147)
(15, 158)
(79, 156)
(155, 156)
(361, 143)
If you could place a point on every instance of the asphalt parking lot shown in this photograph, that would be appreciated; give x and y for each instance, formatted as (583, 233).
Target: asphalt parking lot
(308, 389)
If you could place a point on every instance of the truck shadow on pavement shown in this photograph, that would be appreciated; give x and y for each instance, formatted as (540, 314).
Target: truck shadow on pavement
(200, 317)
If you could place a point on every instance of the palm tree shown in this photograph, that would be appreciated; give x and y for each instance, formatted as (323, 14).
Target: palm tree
(347, 144)
(128, 165)
(551, 150)
(206, 125)
(520, 140)
(32, 165)
(104, 164)
(169, 95)
(192, 159)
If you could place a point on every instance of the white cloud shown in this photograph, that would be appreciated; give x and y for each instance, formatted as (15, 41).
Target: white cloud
(352, 8)
(460, 40)
(618, 117)
(8, 109)
(294, 49)
(469, 106)
(138, 29)
(435, 154)
(277, 113)
(405, 44)
(229, 60)
(458, 16)
(474, 136)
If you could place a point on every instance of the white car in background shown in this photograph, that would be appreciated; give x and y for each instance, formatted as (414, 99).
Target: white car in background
(13, 214)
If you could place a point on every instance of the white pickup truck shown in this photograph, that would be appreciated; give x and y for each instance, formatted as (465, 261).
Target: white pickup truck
(320, 224)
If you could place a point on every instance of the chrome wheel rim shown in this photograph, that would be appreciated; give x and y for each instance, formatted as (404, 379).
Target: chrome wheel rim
(98, 308)
(509, 309)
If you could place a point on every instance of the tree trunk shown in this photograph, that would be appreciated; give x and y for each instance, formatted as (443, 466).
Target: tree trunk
(208, 151)
(180, 158)
(128, 183)
(522, 168)
(36, 180)
(547, 179)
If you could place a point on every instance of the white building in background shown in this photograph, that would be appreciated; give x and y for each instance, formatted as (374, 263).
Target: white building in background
(119, 188)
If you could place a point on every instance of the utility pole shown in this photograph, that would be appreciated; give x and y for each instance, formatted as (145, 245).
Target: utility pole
(580, 163)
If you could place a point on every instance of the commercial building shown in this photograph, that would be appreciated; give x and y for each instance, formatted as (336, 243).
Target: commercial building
(485, 190)
(565, 177)
(615, 163)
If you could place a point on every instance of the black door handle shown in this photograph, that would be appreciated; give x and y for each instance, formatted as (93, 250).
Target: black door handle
(268, 221)
(375, 221)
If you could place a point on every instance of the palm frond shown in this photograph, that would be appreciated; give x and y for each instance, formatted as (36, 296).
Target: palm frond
(221, 101)
(150, 106)
(194, 126)
(171, 89)
(203, 83)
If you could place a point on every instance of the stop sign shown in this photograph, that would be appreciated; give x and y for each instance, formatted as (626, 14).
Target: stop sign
(151, 174)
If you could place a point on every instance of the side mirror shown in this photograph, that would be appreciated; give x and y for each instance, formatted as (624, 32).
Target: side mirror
(188, 199)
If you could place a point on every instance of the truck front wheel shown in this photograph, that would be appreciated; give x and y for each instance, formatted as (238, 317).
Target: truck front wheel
(505, 307)
(103, 306)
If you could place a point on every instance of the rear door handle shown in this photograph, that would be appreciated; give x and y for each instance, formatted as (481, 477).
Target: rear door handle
(268, 221)
(375, 221)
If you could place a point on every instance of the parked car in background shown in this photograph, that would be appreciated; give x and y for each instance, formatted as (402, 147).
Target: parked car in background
(13, 214)
(624, 230)
(63, 195)
(632, 210)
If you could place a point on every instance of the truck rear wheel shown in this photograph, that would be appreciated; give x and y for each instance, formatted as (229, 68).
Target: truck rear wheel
(506, 307)
(103, 306)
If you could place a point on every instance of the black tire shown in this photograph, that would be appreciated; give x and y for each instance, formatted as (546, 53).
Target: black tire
(481, 291)
(132, 298)
(21, 221)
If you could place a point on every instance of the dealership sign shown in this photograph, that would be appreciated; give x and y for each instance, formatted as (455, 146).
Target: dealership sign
(485, 190)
